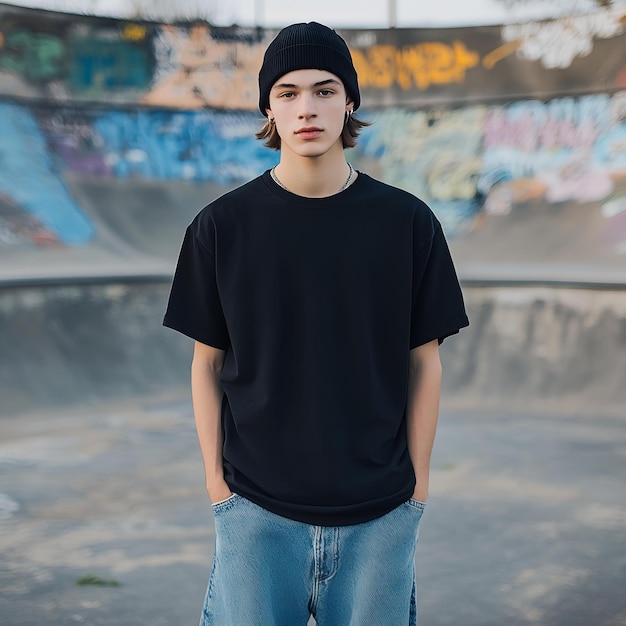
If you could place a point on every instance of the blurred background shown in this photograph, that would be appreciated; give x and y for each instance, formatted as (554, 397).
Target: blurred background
(120, 120)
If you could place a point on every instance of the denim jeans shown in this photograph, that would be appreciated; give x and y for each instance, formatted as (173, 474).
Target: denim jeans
(272, 571)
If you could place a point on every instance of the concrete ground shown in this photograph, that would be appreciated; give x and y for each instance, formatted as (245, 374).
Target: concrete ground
(526, 523)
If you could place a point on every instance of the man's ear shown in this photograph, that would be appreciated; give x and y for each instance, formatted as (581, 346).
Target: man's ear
(349, 105)
(268, 112)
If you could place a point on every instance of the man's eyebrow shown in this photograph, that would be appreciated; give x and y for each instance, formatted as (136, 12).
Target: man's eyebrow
(292, 86)
(327, 82)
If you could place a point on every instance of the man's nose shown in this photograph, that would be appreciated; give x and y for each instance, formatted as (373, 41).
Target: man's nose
(307, 106)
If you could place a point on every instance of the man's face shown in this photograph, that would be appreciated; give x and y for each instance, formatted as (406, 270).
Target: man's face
(309, 108)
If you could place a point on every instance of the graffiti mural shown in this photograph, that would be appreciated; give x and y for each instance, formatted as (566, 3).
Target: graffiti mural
(556, 43)
(102, 66)
(197, 66)
(420, 66)
(488, 159)
(29, 180)
(195, 70)
(219, 147)
(566, 149)
(462, 162)
(34, 56)
(434, 154)
(88, 98)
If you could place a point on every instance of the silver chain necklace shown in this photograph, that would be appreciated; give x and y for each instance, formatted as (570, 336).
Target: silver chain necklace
(344, 186)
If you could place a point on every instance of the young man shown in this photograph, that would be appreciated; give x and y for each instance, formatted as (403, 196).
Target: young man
(317, 298)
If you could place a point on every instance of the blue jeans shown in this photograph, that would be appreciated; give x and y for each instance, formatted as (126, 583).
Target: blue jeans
(272, 571)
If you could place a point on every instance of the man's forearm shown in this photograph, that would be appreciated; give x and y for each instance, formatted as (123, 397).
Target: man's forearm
(423, 411)
(207, 401)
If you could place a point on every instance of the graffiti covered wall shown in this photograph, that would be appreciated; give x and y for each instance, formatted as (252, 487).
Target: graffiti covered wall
(476, 121)
(193, 66)
(488, 159)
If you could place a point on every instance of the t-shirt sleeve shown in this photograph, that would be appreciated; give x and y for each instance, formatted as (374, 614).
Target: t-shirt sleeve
(194, 306)
(438, 310)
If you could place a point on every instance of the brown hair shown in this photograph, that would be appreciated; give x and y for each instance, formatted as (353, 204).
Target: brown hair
(351, 130)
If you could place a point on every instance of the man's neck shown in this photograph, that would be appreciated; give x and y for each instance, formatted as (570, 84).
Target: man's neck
(313, 177)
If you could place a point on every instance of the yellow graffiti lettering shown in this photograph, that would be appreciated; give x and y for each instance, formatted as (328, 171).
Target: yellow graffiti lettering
(360, 65)
(377, 69)
(432, 64)
(422, 65)
(134, 32)
(441, 64)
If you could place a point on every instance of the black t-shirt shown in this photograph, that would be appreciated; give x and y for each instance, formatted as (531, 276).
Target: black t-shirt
(317, 302)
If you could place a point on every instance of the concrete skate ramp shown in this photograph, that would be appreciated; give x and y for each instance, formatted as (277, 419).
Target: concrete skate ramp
(540, 243)
(533, 346)
(115, 133)
(64, 345)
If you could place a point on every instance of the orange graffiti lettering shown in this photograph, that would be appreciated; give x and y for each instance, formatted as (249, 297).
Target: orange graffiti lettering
(381, 62)
(500, 53)
(420, 66)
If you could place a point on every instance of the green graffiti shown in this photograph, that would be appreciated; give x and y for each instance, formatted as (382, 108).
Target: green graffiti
(34, 56)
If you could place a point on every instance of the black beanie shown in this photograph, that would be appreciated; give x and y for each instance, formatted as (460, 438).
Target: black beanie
(309, 46)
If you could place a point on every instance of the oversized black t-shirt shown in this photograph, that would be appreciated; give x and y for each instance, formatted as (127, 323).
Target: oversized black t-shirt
(317, 303)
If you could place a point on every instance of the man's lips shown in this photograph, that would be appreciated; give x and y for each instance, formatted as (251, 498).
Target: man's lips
(308, 132)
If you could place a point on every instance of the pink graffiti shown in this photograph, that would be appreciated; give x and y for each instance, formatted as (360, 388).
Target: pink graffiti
(576, 180)
(529, 135)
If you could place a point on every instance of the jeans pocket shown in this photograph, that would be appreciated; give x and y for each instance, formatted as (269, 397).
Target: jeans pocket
(224, 504)
(416, 504)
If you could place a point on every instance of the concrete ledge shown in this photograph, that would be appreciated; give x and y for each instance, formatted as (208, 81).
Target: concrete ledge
(73, 340)
(565, 275)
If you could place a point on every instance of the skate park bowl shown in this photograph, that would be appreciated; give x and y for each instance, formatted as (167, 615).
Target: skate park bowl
(114, 134)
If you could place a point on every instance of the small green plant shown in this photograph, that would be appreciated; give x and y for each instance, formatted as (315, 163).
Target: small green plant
(92, 579)
(446, 467)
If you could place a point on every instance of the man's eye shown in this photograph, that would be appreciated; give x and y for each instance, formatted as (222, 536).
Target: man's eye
(326, 92)
(287, 95)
